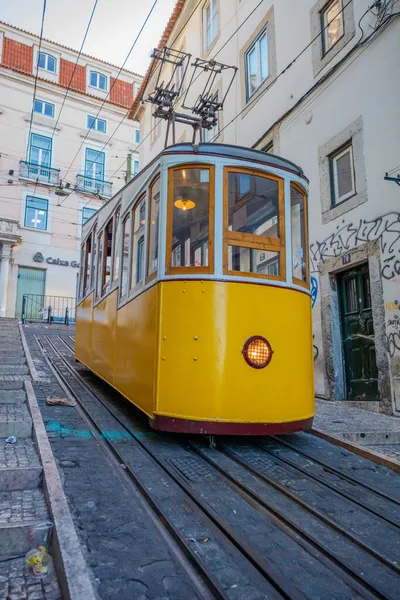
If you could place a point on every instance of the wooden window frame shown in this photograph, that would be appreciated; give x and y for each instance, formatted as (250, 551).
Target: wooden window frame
(138, 286)
(99, 266)
(104, 285)
(123, 297)
(209, 269)
(94, 259)
(148, 277)
(306, 283)
(113, 278)
(248, 240)
(86, 288)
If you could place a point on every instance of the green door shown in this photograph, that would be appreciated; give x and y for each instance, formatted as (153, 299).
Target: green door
(30, 281)
(358, 335)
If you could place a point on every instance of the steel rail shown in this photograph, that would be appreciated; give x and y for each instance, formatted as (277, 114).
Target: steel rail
(312, 545)
(314, 511)
(335, 471)
(110, 448)
(330, 486)
(278, 583)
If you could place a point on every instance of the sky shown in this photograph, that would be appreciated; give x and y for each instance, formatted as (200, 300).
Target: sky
(113, 30)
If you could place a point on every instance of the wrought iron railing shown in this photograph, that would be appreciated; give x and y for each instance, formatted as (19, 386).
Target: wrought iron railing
(49, 309)
(29, 170)
(94, 186)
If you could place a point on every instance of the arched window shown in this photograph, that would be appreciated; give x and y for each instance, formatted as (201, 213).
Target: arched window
(47, 62)
(98, 80)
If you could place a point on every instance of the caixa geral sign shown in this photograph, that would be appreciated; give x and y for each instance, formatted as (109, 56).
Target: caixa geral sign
(39, 258)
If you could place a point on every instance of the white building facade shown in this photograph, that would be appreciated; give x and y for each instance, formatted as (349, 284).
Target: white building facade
(65, 148)
(318, 83)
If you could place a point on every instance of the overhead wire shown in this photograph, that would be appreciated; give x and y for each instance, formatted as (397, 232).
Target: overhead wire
(111, 87)
(75, 67)
(36, 75)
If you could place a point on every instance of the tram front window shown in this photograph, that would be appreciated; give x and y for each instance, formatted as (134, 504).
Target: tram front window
(254, 223)
(253, 205)
(189, 210)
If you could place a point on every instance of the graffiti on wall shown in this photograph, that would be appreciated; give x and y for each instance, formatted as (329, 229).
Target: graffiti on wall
(348, 236)
(314, 290)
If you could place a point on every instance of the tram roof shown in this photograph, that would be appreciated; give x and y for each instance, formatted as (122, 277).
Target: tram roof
(236, 152)
(226, 151)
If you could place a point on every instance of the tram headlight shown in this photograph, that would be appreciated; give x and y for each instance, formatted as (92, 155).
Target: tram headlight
(257, 352)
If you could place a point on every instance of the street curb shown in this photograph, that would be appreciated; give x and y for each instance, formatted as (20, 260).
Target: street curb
(376, 457)
(32, 368)
(72, 570)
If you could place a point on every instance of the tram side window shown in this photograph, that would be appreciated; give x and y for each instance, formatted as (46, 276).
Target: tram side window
(254, 224)
(126, 238)
(298, 213)
(108, 239)
(190, 210)
(100, 261)
(87, 258)
(93, 265)
(139, 222)
(152, 261)
(117, 245)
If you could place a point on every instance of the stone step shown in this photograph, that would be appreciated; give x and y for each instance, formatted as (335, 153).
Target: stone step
(15, 420)
(13, 370)
(20, 466)
(13, 396)
(19, 512)
(10, 338)
(14, 347)
(13, 360)
(12, 352)
(12, 384)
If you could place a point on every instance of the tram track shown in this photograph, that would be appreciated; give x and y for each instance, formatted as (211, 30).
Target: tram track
(363, 570)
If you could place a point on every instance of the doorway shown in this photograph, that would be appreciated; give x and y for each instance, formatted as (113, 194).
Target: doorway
(30, 281)
(358, 334)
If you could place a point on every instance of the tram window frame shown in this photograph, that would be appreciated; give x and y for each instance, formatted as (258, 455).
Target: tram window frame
(135, 287)
(124, 296)
(306, 283)
(86, 267)
(252, 241)
(105, 285)
(209, 269)
(151, 275)
(116, 245)
(94, 259)
(100, 263)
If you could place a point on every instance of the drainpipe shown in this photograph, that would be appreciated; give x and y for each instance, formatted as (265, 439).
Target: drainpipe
(128, 176)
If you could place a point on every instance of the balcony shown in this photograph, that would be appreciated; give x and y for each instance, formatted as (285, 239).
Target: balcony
(41, 173)
(90, 185)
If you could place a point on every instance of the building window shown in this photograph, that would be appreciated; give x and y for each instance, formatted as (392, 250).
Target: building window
(155, 128)
(257, 63)
(98, 80)
(96, 124)
(210, 22)
(135, 167)
(332, 24)
(137, 136)
(36, 211)
(87, 213)
(342, 175)
(43, 108)
(40, 150)
(94, 164)
(47, 62)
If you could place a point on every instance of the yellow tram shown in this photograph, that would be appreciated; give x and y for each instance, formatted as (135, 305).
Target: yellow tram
(194, 298)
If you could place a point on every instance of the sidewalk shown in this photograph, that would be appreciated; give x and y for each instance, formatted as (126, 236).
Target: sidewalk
(377, 432)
